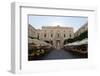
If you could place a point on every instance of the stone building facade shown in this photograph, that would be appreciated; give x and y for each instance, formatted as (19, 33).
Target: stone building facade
(81, 29)
(31, 32)
(55, 35)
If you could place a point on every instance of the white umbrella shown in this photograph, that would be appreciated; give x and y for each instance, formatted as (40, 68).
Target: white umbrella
(37, 42)
(84, 41)
(74, 43)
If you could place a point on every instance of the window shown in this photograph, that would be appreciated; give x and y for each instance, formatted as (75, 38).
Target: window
(58, 35)
(51, 35)
(70, 35)
(45, 35)
(64, 35)
(38, 36)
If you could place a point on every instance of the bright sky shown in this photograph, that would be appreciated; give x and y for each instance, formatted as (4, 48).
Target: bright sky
(66, 21)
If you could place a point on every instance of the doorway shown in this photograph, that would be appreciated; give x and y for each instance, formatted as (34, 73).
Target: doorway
(58, 44)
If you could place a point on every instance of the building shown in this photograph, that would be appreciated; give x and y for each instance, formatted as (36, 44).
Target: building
(81, 29)
(55, 35)
(31, 32)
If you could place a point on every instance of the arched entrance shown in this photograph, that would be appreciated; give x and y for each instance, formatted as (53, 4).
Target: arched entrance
(58, 43)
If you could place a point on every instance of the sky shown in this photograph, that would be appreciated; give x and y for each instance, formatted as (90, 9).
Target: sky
(65, 21)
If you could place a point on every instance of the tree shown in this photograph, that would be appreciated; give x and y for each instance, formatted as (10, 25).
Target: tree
(78, 38)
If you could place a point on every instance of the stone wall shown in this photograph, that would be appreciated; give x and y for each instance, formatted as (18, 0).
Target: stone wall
(31, 32)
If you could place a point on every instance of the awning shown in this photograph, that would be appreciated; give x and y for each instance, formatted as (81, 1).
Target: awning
(38, 42)
(84, 41)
